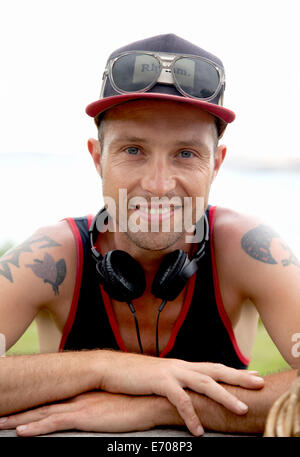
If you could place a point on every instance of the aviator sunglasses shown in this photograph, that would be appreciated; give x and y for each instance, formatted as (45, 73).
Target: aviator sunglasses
(137, 71)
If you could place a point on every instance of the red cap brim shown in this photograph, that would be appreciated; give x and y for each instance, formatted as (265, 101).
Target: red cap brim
(96, 108)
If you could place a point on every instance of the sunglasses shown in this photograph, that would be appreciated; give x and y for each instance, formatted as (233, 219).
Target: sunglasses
(193, 76)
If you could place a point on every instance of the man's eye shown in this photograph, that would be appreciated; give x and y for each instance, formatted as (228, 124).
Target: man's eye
(132, 150)
(186, 154)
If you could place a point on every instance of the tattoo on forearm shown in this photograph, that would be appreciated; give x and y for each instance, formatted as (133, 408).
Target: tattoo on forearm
(257, 243)
(14, 254)
(292, 258)
(50, 271)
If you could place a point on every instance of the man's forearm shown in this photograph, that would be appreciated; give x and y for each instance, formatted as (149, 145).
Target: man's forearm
(214, 416)
(119, 412)
(30, 380)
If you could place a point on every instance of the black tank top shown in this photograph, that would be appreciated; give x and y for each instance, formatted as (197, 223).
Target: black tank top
(202, 332)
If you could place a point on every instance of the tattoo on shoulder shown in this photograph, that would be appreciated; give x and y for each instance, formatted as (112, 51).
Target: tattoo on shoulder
(50, 271)
(257, 242)
(12, 257)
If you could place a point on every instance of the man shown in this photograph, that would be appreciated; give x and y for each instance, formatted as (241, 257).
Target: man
(97, 286)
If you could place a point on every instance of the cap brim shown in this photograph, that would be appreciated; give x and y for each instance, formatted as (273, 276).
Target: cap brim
(96, 108)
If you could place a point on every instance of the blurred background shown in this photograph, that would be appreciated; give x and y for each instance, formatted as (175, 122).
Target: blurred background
(53, 54)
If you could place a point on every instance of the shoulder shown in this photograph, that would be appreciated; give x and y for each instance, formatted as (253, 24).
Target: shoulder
(44, 265)
(251, 252)
(231, 226)
(243, 234)
(244, 245)
(58, 236)
(38, 273)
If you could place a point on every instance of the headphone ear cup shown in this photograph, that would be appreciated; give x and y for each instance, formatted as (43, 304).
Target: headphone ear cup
(168, 283)
(122, 276)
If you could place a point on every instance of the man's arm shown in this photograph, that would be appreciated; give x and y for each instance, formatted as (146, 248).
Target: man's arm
(31, 380)
(259, 266)
(37, 274)
(28, 381)
(40, 273)
(273, 285)
(215, 417)
(259, 402)
(115, 413)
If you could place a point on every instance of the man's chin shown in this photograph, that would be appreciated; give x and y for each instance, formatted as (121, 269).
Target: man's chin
(155, 241)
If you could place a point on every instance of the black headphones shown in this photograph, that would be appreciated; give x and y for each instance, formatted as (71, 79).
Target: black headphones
(123, 278)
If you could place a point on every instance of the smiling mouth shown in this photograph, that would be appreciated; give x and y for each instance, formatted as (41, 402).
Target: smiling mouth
(155, 209)
(158, 213)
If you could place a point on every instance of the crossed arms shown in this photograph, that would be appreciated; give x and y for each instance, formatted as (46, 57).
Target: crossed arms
(121, 396)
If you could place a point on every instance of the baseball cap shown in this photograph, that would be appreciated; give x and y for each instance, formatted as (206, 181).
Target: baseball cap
(171, 44)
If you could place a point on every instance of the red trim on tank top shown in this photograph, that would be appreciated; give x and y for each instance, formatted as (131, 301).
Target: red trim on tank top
(90, 218)
(181, 318)
(224, 317)
(184, 310)
(79, 269)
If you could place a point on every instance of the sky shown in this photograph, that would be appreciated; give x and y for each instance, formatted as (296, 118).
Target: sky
(52, 57)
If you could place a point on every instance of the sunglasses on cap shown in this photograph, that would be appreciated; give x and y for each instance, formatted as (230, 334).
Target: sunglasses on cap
(138, 71)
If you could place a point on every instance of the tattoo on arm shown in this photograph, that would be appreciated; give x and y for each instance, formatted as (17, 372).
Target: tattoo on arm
(50, 271)
(257, 242)
(13, 255)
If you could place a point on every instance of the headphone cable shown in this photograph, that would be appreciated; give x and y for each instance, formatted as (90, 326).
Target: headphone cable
(161, 307)
(131, 307)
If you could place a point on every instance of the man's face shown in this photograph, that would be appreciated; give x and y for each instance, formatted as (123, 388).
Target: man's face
(157, 151)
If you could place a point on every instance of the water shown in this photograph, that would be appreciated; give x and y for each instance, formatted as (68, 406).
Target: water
(40, 189)
(272, 196)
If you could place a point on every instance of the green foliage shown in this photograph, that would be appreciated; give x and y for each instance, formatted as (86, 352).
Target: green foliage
(5, 246)
(266, 358)
(27, 344)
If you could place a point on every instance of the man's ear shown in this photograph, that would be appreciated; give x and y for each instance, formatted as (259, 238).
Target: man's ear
(95, 151)
(219, 159)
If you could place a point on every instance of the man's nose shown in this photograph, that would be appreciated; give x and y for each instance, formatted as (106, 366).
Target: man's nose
(158, 177)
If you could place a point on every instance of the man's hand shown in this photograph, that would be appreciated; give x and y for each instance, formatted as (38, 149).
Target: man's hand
(91, 411)
(135, 374)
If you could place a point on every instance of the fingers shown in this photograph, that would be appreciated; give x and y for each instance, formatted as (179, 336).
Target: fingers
(206, 385)
(52, 423)
(228, 375)
(204, 378)
(34, 415)
(182, 401)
